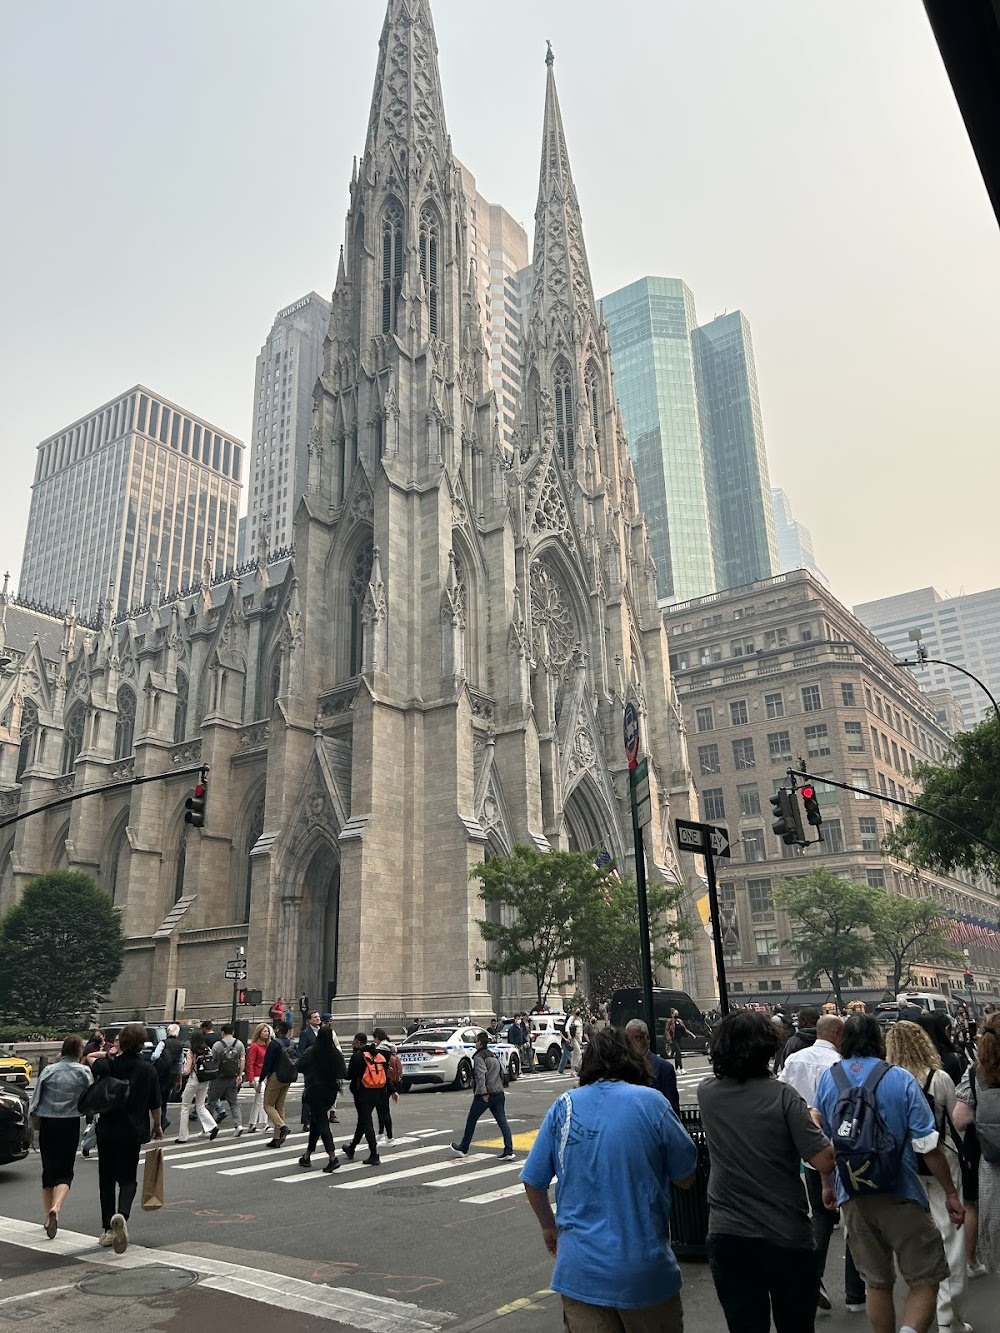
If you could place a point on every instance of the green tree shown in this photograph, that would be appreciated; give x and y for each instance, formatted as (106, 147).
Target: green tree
(832, 912)
(61, 950)
(553, 907)
(615, 961)
(966, 790)
(908, 930)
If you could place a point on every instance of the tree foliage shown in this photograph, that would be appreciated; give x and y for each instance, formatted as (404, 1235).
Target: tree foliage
(615, 962)
(61, 950)
(554, 906)
(966, 790)
(909, 930)
(831, 913)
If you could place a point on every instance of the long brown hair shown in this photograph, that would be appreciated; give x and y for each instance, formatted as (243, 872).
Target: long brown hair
(988, 1050)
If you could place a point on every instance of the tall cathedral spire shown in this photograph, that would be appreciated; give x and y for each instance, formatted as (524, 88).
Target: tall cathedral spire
(407, 113)
(562, 285)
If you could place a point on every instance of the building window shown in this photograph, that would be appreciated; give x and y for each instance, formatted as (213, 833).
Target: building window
(754, 848)
(392, 265)
(181, 708)
(713, 803)
(360, 579)
(855, 737)
(125, 724)
(743, 756)
(759, 895)
(768, 949)
(564, 417)
(876, 748)
(811, 701)
(749, 799)
(774, 705)
(29, 729)
(73, 737)
(868, 826)
(833, 836)
(705, 719)
(738, 715)
(429, 239)
(847, 694)
(708, 759)
(875, 876)
(817, 741)
(741, 648)
(779, 746)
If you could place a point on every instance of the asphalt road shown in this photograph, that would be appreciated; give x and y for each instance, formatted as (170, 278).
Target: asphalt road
(426, 1241)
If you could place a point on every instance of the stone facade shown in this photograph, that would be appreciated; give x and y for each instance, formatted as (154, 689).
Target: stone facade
(437, 673)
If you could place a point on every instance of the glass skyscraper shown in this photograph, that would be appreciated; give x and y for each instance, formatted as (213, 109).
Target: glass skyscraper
(650, 323)
(739, 491)
(689, 401)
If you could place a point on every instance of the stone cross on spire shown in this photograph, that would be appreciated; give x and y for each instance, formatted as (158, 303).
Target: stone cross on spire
(562, 286)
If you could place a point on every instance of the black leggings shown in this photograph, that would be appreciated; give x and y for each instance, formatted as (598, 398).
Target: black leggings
(364, 1105)
(383, 1108)
(756, 1280)
(319, 1129)
(118, 1151)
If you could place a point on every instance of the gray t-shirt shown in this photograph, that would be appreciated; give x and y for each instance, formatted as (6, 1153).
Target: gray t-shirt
(757, 1133)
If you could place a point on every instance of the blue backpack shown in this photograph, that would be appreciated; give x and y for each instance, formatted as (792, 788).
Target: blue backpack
(868, 1155)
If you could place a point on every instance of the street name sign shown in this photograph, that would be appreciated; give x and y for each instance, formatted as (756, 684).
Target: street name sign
(640, 789)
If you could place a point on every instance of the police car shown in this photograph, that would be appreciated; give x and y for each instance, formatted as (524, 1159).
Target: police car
(443, 1056)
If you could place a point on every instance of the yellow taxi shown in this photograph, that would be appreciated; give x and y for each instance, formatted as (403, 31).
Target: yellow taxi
(14, 1070)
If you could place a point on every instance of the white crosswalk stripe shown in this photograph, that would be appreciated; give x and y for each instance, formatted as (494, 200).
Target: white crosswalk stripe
(353, 1166)
(509, 1192)
(369, 1182)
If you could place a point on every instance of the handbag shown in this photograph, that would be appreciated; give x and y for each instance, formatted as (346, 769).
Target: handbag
(206, 1067)
(152, 1180)
(103, 1095)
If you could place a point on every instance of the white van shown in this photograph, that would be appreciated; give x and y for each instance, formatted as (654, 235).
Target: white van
(928, 1000)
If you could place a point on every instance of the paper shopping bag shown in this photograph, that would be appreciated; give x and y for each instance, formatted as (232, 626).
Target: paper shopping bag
(152, 1180)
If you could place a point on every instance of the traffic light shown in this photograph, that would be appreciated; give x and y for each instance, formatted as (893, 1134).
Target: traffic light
(250, 997)
(194, 806)
(810, 802)
(787, 822)
(968, 978)
(241, 997)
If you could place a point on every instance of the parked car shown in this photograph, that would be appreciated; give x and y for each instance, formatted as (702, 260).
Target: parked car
(15, 1125)
(443, 1056)
(155, 1033)
(546, 1038)
(14, 1070)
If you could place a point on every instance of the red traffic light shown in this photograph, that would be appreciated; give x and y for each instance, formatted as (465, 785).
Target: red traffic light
(199, 790)
(807, 793)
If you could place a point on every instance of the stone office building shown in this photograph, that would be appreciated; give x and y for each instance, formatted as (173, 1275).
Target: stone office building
(438, 673)
(779, 670)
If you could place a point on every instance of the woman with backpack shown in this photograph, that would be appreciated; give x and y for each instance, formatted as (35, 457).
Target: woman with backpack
(909, 1046)
(256, 1051)
(199, 1068)
(323, 1067)
(393, 1081)
(55, 1113)
(978, 1108)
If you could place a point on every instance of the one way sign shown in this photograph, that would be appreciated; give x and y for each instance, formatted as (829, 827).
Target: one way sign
(702, 838)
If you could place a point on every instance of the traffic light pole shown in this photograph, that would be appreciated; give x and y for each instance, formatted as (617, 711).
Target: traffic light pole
(240, 953)
(645, 952)
(713, 907)
(97, 790)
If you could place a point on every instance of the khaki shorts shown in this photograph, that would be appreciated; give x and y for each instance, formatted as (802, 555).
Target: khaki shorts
(667, 1317)
(877, 1229)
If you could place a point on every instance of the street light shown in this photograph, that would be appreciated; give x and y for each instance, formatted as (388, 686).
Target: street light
(922, 658)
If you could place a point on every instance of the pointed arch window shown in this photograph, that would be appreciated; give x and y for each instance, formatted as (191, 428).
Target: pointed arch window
(73, 737)
(29, 730)
(181, 863)
(565, 444)
(430, 234)
(392, 265)
(125, 724)
(254, 830)
(361, 573)
(594, 401)
(181, 708)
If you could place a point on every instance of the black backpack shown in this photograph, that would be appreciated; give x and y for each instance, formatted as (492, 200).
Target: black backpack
(868, 1155)
(104, 1095)
(288, 1066)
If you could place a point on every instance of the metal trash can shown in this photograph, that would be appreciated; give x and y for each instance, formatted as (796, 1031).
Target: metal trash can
(689, 1208)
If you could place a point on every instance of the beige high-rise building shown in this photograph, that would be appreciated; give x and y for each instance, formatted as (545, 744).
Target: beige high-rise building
(138, 493)
(779, 671)
(287, 370)
(498, 245)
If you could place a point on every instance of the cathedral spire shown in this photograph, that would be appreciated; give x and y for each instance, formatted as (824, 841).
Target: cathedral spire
(407, 113)
(562, 285)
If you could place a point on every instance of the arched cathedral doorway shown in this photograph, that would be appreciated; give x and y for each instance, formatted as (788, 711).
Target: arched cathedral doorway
(319, 916)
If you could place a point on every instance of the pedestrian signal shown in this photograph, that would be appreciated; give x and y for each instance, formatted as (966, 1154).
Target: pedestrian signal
(810, 802)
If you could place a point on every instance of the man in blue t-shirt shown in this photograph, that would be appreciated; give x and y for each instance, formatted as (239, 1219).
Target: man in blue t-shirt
(880, 1226)
(615, 1145)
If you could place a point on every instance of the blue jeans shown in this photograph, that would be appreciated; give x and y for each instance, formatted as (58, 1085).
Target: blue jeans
(564, 1059)
(479, 1107)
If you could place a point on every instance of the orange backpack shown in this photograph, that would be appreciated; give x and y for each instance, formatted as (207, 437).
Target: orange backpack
(374, 1076)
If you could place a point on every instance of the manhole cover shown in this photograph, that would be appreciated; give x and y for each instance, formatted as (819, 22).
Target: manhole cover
(405, 1191)
(156, 1280)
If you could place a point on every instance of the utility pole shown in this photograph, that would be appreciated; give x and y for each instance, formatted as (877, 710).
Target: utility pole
(638, 785)
(241, 955)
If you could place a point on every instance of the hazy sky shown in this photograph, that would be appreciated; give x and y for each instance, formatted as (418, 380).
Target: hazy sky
(175, 171)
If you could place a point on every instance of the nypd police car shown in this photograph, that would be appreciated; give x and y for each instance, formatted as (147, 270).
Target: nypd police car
(443, 1055)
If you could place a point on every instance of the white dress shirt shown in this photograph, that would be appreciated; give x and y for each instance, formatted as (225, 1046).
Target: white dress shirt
(805, 1068)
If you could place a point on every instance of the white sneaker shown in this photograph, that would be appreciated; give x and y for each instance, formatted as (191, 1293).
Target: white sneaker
(119, 1234)
(105, 1240)
(380, 1138)
(977, 1270)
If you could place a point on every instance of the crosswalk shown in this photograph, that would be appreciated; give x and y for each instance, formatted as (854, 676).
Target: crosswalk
(425, 1156)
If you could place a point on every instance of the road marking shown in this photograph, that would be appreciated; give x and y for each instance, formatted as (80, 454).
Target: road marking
(479, 1175)
(509, 1193)
(248, 1149)
(524, 1141)
(374, 1179)
(354, 1166)
(32, 1295)
(358, 1309)
(280, 1162)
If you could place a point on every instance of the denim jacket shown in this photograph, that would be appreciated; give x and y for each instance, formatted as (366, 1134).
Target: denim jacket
(59, 1088)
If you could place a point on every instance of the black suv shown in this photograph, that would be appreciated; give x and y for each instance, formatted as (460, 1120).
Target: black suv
(15, 1126)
